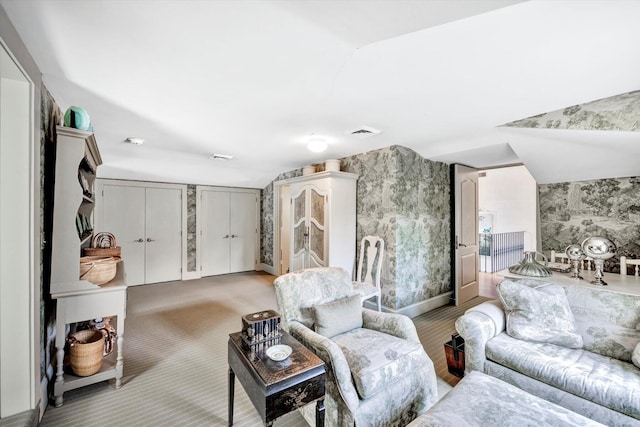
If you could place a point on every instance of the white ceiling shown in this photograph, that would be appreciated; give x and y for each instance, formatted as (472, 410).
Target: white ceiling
(255, 78)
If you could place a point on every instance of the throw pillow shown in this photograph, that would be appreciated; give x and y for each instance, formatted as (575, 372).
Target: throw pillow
(635, 356)
(539, 314)
(339, 316)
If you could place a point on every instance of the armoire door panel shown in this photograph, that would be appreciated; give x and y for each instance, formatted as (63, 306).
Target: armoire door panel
(242, 246)
(214, 241)
(163, 235)
(123, 213)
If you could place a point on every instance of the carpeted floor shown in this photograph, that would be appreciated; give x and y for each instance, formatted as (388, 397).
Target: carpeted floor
(175, 356)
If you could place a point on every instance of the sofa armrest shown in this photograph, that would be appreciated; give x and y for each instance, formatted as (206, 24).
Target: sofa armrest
(332, 356)
(397, 325)
(477, 327)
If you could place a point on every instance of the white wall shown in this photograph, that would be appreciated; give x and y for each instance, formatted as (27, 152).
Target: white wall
(510, 194)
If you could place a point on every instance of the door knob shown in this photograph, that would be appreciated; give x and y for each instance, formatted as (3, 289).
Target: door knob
(150, 239)
(139, 240)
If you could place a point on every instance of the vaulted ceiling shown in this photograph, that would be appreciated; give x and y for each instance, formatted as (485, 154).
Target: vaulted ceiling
(255, 79)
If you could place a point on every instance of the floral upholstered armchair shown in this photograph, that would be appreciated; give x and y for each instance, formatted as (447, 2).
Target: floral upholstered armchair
(378, 374)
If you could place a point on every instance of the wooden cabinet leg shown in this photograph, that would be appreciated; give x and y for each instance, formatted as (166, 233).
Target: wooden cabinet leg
(58, 386)
(320, 413)
(232, 379)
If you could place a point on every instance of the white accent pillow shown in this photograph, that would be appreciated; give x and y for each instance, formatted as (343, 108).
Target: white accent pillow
(539, 314)
(635, 356)
(339, 316)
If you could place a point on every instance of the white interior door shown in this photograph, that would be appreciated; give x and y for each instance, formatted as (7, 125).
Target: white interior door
(215, 232)
(465, 189)
(163, 237)
(243, 227)
(19, 348)
(124, 216)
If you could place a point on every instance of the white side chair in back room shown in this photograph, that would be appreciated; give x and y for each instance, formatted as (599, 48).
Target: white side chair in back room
(371, 248)
(624, 262)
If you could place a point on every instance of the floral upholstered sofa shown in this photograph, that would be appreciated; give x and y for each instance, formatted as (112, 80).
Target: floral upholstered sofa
(576, 346)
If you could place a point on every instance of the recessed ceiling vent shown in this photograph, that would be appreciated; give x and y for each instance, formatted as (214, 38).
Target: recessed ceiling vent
(363, 132)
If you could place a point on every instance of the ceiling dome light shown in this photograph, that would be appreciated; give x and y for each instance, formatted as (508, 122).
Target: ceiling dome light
(317, 144)
(136, 141)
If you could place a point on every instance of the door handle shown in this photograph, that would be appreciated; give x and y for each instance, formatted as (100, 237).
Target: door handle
(139, 240)
(233, 236)
(150, 239)
(462, 245)
(226, 237)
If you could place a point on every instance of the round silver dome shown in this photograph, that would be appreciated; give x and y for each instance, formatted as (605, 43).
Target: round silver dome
(599, 247)
(574, 252)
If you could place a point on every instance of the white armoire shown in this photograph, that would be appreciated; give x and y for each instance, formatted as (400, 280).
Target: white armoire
(321, 220)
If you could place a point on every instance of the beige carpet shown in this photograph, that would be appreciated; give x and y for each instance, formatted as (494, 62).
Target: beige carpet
(175, 357)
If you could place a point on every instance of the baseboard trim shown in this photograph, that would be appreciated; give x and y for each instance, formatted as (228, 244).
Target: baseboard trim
(191, 275)
(268, 268)
(427, 305)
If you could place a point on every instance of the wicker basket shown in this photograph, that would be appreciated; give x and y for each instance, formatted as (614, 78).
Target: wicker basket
(103, 244)
(98, 270)
(102, 252)
(86, 352)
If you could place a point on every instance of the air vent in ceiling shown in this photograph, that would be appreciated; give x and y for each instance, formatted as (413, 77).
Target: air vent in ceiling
(363, 132)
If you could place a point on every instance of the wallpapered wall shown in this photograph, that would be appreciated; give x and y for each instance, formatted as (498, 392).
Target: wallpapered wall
(572, 211)
(51, 116)
(618, 112)
(404, 199)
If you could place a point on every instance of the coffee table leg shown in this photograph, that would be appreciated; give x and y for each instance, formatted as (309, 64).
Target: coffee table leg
(320, 413)
(232, 380)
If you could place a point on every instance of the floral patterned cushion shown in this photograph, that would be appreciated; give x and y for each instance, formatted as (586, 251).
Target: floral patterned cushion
(377, 360)
(608, 382)
(540, 313)
(339, 316)
(481, 400)
(608, 321)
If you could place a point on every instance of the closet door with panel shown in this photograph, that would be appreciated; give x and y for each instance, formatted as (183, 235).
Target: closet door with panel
(227, 220)
(147, 223)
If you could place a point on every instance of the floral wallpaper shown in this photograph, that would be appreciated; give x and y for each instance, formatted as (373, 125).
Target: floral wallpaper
(572, 211)
(51, 116)
(404, 199)
(266, 217)
(618, 112)
(191, 228)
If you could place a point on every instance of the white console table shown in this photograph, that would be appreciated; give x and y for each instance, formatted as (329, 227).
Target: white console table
(624, 284)
(78, 301)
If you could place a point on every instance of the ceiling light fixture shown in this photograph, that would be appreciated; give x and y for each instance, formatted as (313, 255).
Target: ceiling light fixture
(221, 156)
(136, 141)
(316, 143)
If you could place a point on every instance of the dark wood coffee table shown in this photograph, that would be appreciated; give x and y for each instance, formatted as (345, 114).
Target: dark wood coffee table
(276, 388)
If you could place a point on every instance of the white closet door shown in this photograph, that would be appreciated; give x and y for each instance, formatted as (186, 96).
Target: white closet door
(214, 241)
(242, 244)
(163, 235)
(123, 213)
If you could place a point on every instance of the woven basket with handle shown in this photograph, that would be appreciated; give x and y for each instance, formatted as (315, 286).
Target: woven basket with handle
(86, 348)
(98, 269)
(103, 244)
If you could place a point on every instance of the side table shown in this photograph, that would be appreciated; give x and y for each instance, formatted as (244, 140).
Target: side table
(79, 301)
(276, 388)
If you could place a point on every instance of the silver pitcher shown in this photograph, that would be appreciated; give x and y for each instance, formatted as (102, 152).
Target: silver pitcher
(530, 267)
